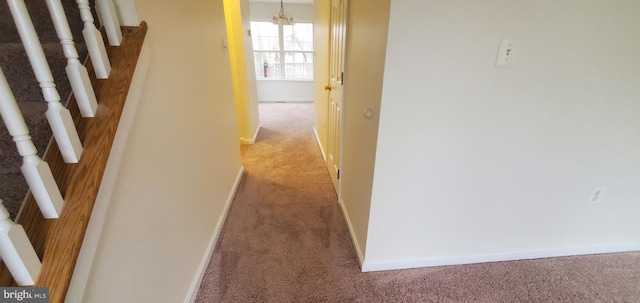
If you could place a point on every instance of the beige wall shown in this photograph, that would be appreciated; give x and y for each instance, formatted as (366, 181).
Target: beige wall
(366, 47)
(476, 163)
(180, 164)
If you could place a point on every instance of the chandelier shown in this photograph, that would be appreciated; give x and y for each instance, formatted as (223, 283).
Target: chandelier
(281, 17)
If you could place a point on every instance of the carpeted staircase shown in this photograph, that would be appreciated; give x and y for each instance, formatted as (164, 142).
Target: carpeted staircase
(17, 69)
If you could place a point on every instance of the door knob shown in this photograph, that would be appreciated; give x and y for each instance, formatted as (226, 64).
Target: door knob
(327, 87)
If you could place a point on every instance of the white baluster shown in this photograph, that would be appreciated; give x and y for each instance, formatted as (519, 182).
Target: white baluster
(109, 18)
(77, 73)
(16, 251)
(58, 116)
(37, 172)
(95, 44)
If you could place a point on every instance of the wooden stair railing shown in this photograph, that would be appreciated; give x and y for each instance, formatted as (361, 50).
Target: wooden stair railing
(76, 72)
(58, 116)
(95, 42)
(109, 19)
(36, 172)
(58, 241)
(15, 247)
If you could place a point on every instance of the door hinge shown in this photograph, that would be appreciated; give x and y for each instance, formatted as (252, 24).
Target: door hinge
(342, 78)
(338, 175)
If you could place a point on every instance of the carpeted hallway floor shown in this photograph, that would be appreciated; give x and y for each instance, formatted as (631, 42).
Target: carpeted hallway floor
(285, 240)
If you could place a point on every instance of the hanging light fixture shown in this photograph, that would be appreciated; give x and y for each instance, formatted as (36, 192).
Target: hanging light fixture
(281, 17)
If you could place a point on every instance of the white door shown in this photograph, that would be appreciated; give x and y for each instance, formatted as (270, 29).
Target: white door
(336, 82)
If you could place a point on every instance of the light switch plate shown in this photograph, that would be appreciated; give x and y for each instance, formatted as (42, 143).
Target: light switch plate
(506, 52)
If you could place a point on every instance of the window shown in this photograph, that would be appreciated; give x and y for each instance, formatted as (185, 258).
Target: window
(283, 51)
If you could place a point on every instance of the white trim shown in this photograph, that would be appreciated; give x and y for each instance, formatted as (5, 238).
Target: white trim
(324, 156)
(204, 263)
(271, 100)
(252, 140)
(84, 263)
(286, 79)
(368, 266)
(354, 238)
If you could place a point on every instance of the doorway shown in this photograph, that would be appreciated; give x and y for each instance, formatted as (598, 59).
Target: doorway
(283, 52)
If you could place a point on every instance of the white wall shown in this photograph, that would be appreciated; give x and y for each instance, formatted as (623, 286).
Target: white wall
(367, 41)
(477, 163)
(276, 90)
(288, 91)
(180, 164)
(261, 11)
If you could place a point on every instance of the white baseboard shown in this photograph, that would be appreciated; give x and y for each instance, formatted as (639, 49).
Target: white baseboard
(252, 140)
(272, 100)
(368, 266)
(324, 156)
(204, 263)
(84, 262)
(354, 238)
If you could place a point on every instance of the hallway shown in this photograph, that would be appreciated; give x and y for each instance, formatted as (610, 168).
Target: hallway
(284, 235)
(285, 240)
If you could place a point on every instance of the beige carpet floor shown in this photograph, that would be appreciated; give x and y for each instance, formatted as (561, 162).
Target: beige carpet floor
(285, 240)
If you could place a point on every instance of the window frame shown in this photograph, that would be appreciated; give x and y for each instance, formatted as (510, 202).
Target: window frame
(282, 54)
